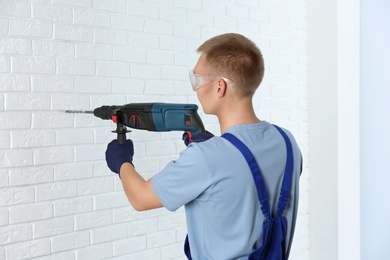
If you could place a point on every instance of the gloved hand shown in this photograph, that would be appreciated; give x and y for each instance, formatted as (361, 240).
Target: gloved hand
(117, 154)
(199, 137)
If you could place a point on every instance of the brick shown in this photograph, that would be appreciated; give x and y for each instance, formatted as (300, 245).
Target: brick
(187, 30)
(84, 152)
(4, 140)
(52, 83)
(30, 212)
(15, 158)
(160, 57)
(15, 46)
(112, 69)
(15, 233)
(29, 249)
(259, 15)
(14, 83)
(127, 23)
(95, 185)
(57, 190)
(15, 8)
(124, 85)
(174, 221)
(127, 214)
(51, 120)
(54, 49)
(22, 101)
(69, 241)
(111, 36)
(78, 3)
(144, 41)
(4, 27)
(4, 217)
(74, 33)
(160, 239)
(237, 11)
(4, 179)
(68, 255)
(170, 13)
(174, 73)
(5, 64)
(158, 148)
(144, 10)
(191, 4)
(110, 200)
(72, 206)
(173, 43)
(122, 247)
(146, 71)
(101, 251)
(52, 13)
(158, 27)
(54, 226)
(31, 28)
(108, 233)
(92, 220)
(289, 103)
(33, 175)
(52, 155)
(159, 87)
(174, 251)
(248, 26)
(200, 18)
(62, 102)
(76, 67)
(74, 136)
(33, 65)
(117, 6)
(91, 17)
(143, 227)
(73, 171)
(94, 51)
(13, 196)
(122, 53)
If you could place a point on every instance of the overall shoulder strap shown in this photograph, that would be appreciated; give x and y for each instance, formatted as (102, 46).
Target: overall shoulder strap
(258, 177)
(261, 188)
(288, 173)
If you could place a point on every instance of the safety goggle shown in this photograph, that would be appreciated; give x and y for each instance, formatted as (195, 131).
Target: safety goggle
(200, 80)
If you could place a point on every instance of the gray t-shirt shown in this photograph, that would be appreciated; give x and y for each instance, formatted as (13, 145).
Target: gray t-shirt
(213, 181)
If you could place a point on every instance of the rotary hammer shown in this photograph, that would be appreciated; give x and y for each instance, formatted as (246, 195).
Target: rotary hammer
(158, 117)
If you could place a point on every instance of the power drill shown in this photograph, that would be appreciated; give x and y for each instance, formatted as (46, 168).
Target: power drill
(158, 117)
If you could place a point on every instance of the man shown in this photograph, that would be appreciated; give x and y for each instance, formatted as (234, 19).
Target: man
(211, 178)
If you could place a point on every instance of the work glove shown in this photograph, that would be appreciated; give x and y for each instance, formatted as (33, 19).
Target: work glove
(197, 138)
(117, 154)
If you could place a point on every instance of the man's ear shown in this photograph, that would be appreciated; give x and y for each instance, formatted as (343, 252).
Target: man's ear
(221, 88)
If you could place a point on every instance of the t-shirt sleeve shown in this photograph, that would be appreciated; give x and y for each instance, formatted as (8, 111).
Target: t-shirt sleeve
(182, 180)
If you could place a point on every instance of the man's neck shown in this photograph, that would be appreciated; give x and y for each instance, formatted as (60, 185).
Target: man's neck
(241, 112)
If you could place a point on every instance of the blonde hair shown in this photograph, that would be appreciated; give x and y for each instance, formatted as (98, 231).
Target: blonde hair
(237, 58)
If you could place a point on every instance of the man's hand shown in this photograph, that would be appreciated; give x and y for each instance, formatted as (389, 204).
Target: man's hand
(117, 154)
(200, 137)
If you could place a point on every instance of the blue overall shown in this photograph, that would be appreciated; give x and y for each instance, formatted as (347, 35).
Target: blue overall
(274, 228)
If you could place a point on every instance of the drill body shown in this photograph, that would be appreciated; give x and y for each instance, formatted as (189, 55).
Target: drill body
(158, 117)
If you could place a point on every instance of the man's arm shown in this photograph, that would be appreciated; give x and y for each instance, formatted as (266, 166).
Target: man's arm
(138, 191)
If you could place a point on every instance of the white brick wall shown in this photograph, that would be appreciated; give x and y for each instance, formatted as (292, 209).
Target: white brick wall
(58, 199)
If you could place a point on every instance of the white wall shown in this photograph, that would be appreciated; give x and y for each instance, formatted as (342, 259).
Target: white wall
(57, 197)
(375, 128)
(334, 136)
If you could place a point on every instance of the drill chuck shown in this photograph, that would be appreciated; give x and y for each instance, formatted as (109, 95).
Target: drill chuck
(106, 112)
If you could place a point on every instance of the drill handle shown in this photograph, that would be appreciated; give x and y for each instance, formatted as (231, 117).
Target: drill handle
(121, 131)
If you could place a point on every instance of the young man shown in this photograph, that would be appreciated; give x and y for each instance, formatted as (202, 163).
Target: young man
(211, 178)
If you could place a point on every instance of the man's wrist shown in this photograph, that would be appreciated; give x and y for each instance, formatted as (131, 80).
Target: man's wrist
(126, 166)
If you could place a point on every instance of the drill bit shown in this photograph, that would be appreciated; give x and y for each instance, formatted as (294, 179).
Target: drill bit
(79, 111)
